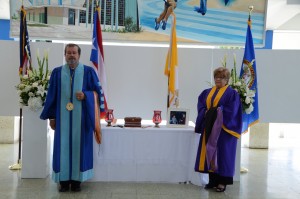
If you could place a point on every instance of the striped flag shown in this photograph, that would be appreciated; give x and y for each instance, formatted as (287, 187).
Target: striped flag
(249, 74)
(171, 68)
(25, 55)
(97, 56)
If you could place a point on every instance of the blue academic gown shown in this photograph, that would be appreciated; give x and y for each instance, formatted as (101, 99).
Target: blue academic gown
(73, 138)
(229, 101)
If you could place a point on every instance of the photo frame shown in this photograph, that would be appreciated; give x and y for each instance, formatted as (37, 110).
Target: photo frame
(178, 117)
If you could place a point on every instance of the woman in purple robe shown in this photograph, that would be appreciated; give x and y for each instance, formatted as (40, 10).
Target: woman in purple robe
(219, 121)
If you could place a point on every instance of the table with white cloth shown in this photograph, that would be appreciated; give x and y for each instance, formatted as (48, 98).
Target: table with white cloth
(147, 155)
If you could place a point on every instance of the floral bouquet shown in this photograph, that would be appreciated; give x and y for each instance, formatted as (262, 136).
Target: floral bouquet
(33, 86)
(239, 84)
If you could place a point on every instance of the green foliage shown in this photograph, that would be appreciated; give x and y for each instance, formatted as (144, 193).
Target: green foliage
(246, 95)
(130, 26)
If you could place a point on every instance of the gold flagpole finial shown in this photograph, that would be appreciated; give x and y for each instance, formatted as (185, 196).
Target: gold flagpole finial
(250, 8)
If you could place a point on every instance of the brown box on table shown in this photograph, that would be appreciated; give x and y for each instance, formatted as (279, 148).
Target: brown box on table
(133, 122)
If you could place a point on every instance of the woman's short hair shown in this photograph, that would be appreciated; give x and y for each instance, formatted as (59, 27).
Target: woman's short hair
(72, 45)
(222, 72)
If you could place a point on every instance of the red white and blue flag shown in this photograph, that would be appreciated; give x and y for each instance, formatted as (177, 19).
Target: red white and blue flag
(97, 56)
(25, 55)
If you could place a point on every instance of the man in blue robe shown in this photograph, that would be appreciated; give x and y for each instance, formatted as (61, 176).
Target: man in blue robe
(68, 107)
(219, 121)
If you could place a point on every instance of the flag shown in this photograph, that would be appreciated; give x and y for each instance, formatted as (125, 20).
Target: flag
(171, 68)
(249, 74)
(97, 56)
(25, 55)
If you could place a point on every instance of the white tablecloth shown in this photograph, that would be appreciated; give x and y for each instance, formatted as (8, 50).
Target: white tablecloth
(147, 155)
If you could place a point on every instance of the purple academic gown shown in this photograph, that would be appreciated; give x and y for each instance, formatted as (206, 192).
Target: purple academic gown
(229, 101)
(73, 138)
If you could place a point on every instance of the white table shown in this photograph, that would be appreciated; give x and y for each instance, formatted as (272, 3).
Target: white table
(147, 155)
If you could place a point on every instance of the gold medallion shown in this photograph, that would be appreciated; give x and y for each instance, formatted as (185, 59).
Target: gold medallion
(70, 106)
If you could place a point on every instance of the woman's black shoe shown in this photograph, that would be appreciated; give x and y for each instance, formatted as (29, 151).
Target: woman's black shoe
(210, 186)
(221, 188)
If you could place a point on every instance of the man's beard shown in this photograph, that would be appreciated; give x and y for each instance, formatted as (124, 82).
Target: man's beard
(72, 61)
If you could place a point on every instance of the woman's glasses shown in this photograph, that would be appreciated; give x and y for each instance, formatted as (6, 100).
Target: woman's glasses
(220, 78)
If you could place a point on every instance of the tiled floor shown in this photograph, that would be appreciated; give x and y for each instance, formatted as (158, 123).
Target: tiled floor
(273, 173)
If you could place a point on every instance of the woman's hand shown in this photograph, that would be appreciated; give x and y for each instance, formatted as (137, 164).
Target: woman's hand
(52, 124)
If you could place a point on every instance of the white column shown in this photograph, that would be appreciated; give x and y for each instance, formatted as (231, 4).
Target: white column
(36, 146)
(259, 136)
(236, 176)
(8, 135)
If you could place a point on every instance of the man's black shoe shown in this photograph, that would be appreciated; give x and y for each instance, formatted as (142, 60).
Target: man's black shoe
(75, 186)
(64, 188)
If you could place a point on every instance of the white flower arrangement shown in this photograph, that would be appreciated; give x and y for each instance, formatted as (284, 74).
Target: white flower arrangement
(33, 86)
(247, 95)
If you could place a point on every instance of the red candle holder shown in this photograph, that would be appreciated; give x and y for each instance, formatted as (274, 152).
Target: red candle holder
(156, 118)
(109, 116)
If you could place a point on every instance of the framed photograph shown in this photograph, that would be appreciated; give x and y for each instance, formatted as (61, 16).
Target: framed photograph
(178, 117)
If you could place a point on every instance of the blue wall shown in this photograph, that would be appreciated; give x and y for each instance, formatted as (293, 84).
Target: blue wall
(4, 29)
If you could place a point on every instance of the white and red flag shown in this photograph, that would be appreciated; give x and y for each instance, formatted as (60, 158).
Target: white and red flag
(97, 57)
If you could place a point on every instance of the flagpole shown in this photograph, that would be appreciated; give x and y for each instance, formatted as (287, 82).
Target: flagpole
(168, 97)
(169, 62)
(18, 165)
(250, 9)
(20, 135)
(97, 56)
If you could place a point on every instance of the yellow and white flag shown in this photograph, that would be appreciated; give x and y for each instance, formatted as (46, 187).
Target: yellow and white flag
(171, 67)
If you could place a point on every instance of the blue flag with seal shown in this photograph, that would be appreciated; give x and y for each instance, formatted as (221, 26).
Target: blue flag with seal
(249, 75)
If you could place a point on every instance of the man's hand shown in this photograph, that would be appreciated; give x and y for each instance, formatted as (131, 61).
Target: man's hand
(80, 96)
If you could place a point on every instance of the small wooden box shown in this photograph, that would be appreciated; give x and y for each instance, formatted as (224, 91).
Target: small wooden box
(133, 122)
